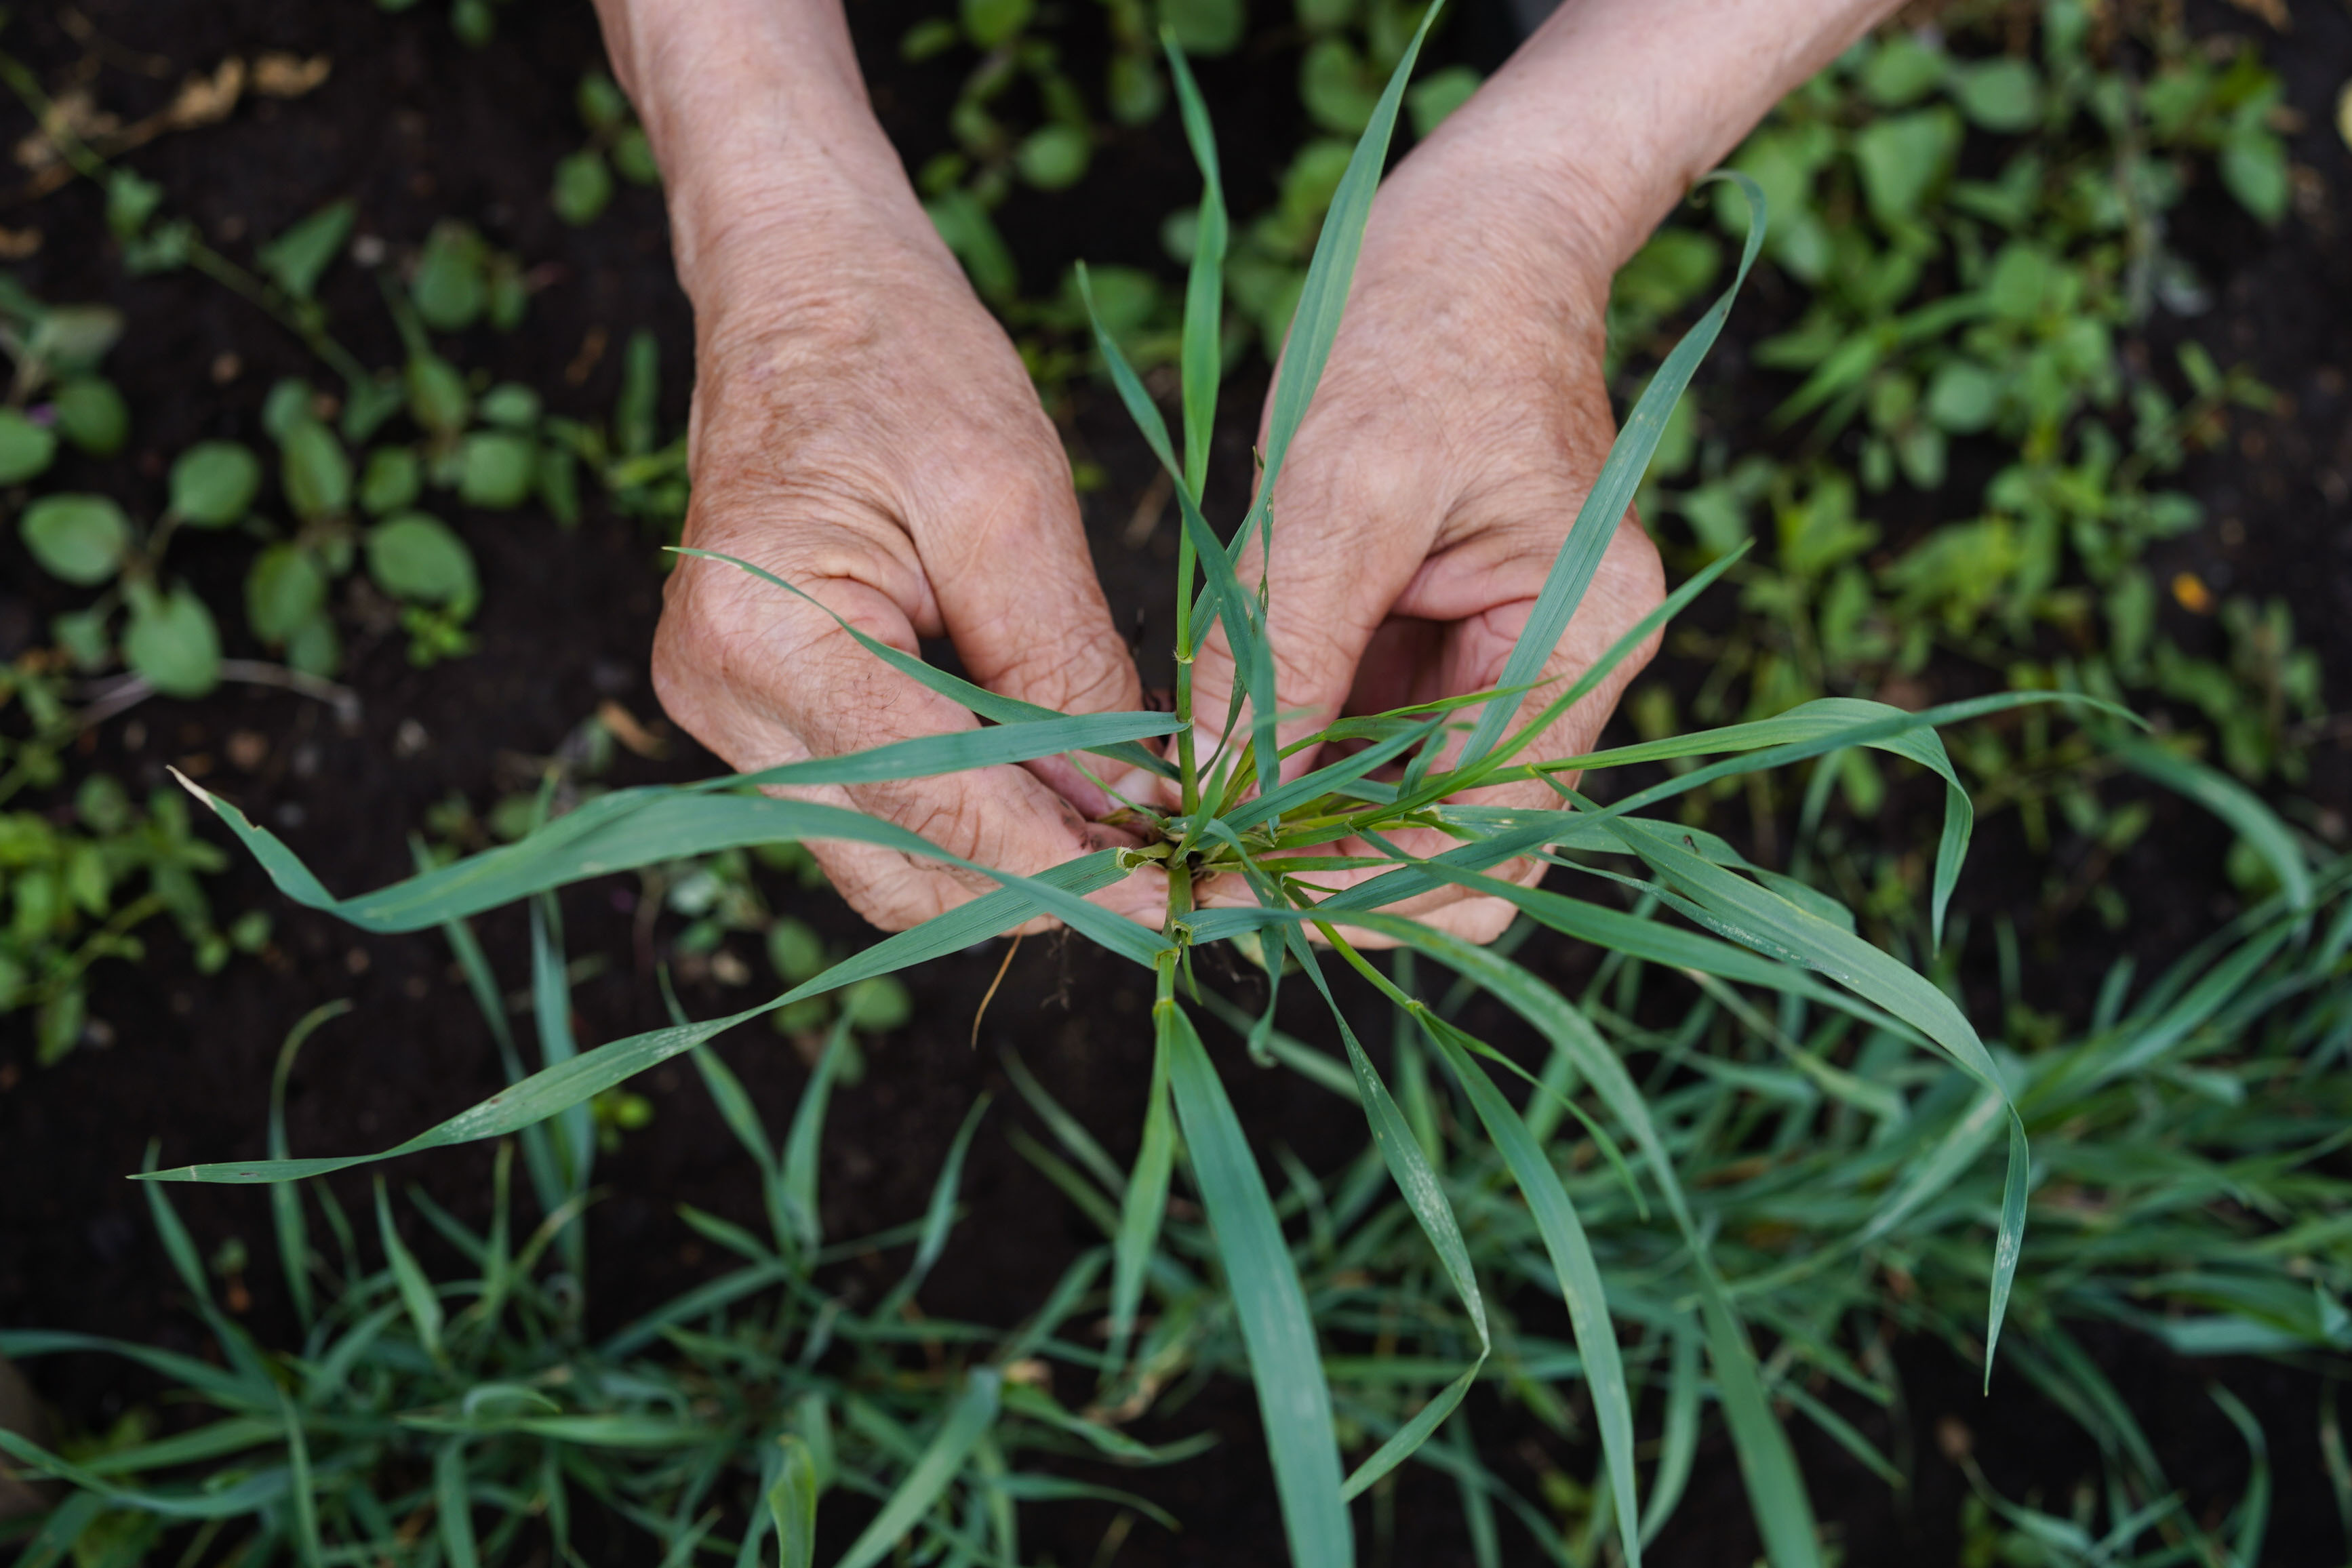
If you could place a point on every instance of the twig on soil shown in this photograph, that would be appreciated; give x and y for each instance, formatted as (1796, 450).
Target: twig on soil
(106, 699)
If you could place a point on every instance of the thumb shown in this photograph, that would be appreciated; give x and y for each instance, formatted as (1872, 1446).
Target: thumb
(1018, 595)
(1346, 540)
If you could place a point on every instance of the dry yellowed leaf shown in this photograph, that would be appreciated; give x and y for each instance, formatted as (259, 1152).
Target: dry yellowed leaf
(73, 113)
(281, 75)
(624, 727)
(207, 100)
(2272, 11)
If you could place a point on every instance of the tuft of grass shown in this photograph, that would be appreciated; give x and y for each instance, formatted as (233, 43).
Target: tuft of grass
(471, 1418)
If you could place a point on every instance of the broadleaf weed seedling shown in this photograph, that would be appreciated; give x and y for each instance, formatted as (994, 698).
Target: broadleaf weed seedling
(1235, 818)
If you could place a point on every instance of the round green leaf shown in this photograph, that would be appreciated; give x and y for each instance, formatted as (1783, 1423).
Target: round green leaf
(81, 538)
(1963, 397)
(437, 394)
(102, 804)
(509, 297)
(172, 641)
(213, 484)
(498, 468)
(633, 155)
(796, 950)
(474, 22)
(583, 186)
(1054, 157)
(2000, 94)
(2254, 168)
(1204, 27)
(284, 590)
(83, 635)
(92, 416)
(391, 481)
(315, 472)
(291, 402)
(26, 448)
(1438, 94)
(73, 337)
(314, 649)
(416, 557)
(878, 1004)
(600, 101)
(452, 283)
(1134, 89)
(511, 405)
(1902, 70)
(988, 22)
(1338, 90)
(1903, 157)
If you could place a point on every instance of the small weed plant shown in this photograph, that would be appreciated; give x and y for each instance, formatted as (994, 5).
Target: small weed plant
(1697, 906)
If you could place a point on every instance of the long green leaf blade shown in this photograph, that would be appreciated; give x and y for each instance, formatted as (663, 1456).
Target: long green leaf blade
(545, 1093)
(1572, 1258)
(1285, 1363)
(792, 1504)
(967, 1423)
(989, 704)
(1201, 356)
(1776, 1489)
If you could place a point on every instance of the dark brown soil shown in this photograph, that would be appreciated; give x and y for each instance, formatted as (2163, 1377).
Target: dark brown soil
(417, 128)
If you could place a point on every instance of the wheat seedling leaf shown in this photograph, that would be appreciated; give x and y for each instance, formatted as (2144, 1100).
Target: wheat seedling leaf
(1276, 1329)
(967, 1421)
(2231, 801)
(791, 1504)
(989, 704)
(1144, 1202)
(667, 820)
(1572, 1261)
(1424, 1195)
(1741, 908)
(1776, 1488)
(590, 1073)
(286, 1200)
(1201, 356)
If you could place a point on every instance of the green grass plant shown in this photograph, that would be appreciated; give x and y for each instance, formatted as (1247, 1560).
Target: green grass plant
(473, 1417)
(2186, 1192)
(1697, 904)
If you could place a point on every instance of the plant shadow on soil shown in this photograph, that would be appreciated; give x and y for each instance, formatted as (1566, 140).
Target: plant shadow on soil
(417, 128)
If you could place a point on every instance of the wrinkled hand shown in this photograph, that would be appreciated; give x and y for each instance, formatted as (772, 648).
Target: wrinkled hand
(1458, 425)
(863, 429)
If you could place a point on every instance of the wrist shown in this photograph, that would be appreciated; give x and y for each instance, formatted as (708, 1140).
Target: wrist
(758, 119)
(1614, 109)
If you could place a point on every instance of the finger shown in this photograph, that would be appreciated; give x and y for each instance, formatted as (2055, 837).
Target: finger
(1354, 518)
(1017, 593)
(764, 678)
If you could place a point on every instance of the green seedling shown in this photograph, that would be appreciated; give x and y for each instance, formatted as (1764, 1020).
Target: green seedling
(616, 143)
(1992, 315)
(471, 1414)
(1227, 822)
(79, 889)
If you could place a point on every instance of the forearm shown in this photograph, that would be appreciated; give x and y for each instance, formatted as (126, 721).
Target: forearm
(759, 119)
(1606, 117)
